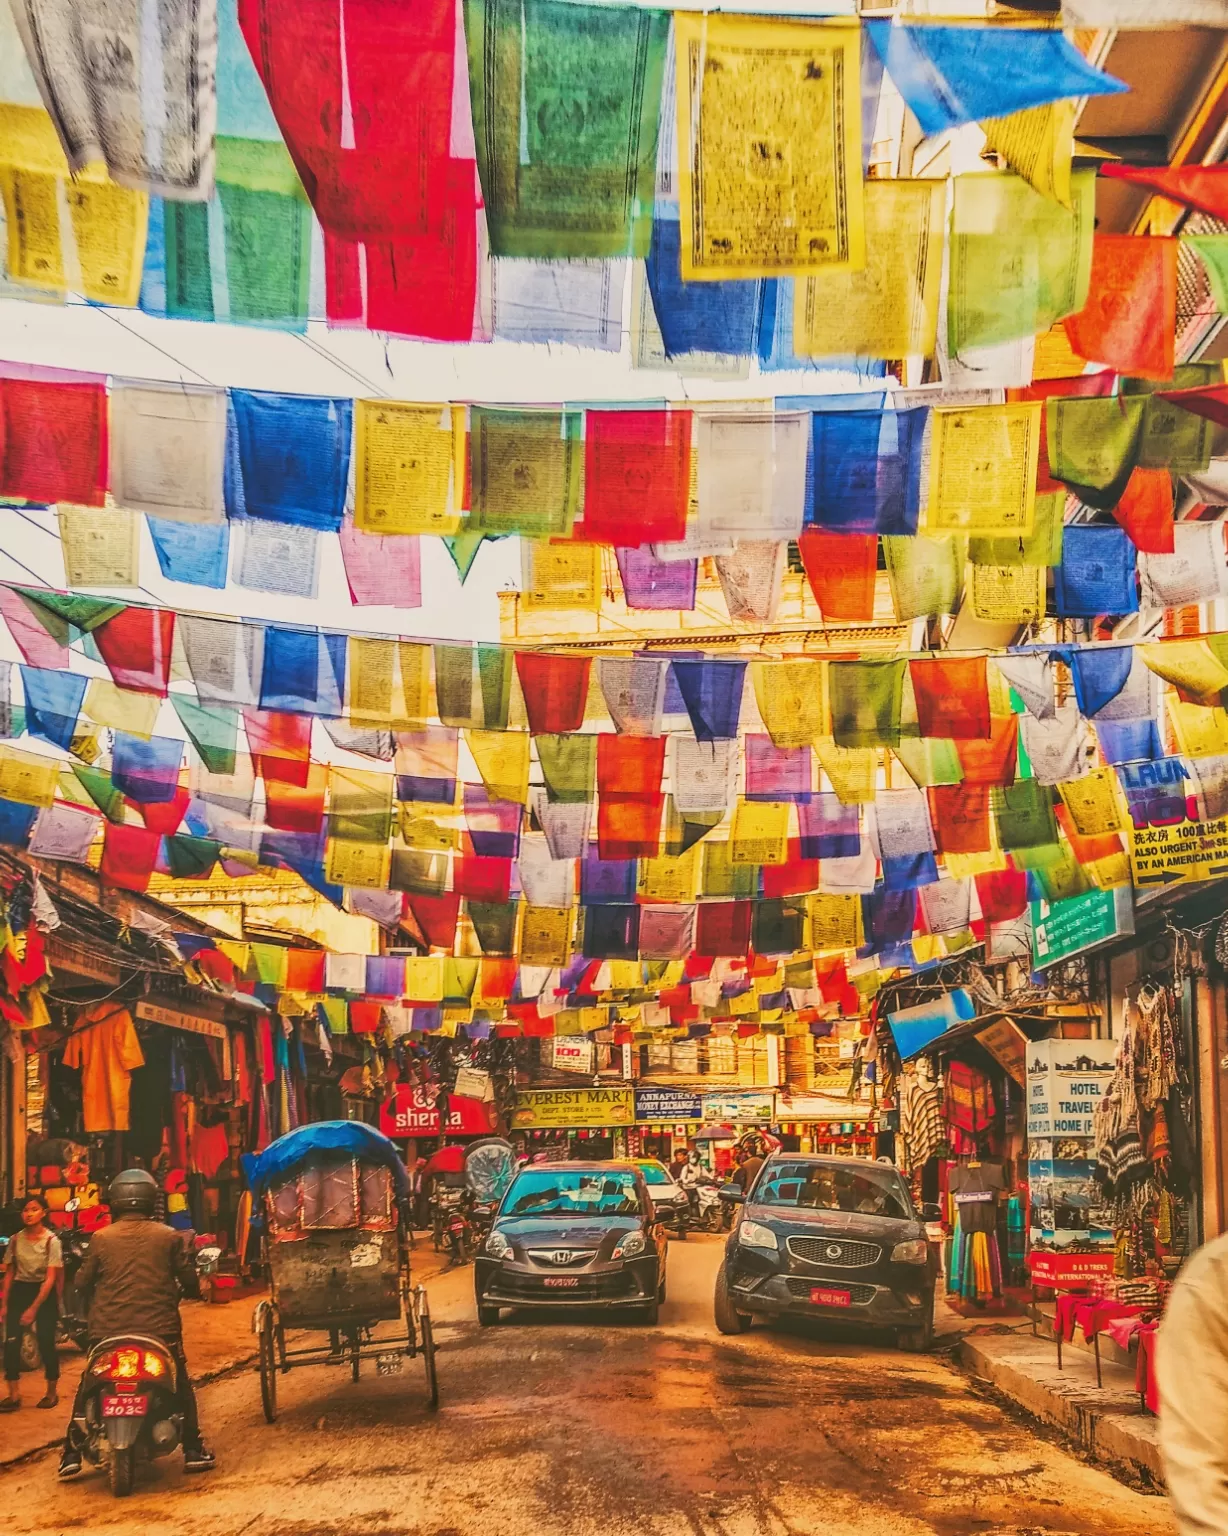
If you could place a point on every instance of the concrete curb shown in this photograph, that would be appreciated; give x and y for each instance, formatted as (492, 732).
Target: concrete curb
(1107, 1422)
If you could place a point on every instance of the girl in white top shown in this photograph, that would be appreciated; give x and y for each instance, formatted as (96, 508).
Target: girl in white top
(33, 1262)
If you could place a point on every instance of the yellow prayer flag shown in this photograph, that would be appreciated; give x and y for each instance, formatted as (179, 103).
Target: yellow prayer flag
(425, 833)
(670, 879)
(1200, 731)
(67, 232)
(769, 146)
(455, 1016)
(835, 921)
(1009, 594)
(359, 804)
(960, 866)
(792, 700)
(502, 759)
(1054, 357)
(983, 468)
(625, 975)
(389, 683)
(560, 574)
(408, 473)
(27, 778)
(424, 978)
(890, 307)
(1110, 872)
(122, 709)
(853, 771)
(927, 947)
(353, 863)
(545, 936)
(239, 955)
(100, 544)
(1038, 144)
(1190, 665)
(760, 833)
(1094, 802)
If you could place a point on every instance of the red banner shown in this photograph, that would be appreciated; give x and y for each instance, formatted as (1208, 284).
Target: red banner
(411, 1112)
(1064, 1269)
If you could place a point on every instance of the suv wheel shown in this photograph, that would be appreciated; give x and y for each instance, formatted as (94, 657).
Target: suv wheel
(487, 1316)
(728, 1318)
(917, 1340)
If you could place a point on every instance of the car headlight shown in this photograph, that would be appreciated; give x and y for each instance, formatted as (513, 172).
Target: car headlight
(753, 1235)
(916, 1251)
(630, 1246)
(497, 1246)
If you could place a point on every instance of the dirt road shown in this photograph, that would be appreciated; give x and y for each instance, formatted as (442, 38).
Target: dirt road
(563, 1427)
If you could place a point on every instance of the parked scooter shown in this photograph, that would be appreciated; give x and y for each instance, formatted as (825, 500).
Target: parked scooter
(450, 1218)
(131, 1409)
(71, 1325)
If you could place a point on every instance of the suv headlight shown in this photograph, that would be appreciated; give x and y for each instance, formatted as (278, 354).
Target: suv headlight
(631, 1246)
(753, 1235)
(497, 1246)
(916, 1251)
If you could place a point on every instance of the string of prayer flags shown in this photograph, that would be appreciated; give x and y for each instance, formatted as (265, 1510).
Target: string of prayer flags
(866, 468)
(841, 569)
(502, 760)
(565, 109)
(1057, 747)
(1099, 674)
(409, 467)
(983, 469)
(1097, 573)
(1023, 815)
(53, 438)
(38, 646)
(293, 458)
(151, 123)
(212, 730)
(559, 574)
(1010, 594)
(1030, 674)
(637, 467)
(426, 764)
(959, 815)
(1019, 261)
(555, 690)
(713, 317)
(1130, 318)
(865, 701)
(950, 75)
(389, 682)
(651, 584)
(793, 201)
(630, 765)
(381, 569)
(1041, 547)
(526, 471)
(888, 308)
(629, 826)
(723, 928)
(1195, 667)
(280, 744)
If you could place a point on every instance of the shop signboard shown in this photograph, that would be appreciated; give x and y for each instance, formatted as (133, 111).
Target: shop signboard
(1067, 928)
(578, 1108)
(171, 1017)
(1008, 1045)
(1066, 1080)
(573, 1053)
(667, 1106)
(1048, 1267)
(1168, 843)
(1066, 1204)
(741, 1108)
(821, 1108)
(411, 1111)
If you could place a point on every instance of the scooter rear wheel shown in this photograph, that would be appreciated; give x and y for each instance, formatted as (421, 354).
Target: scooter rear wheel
(121, 1470)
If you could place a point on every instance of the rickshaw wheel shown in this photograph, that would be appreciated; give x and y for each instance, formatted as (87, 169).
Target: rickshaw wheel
(428, 1350)
(268, 1365)
(355, 1357)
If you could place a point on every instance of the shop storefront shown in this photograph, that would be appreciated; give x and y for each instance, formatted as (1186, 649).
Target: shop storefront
(412, 1118)
(666, 1120)
(579, 1123)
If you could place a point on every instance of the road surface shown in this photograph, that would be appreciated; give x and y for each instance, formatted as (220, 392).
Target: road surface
(562, 1427)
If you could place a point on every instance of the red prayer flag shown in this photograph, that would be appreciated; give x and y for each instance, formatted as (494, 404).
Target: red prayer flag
(53, 441)
(296, 807)
(1130, 319)
(960, 817)
(128, 856)
(436, 918)
(166, 816)
(365, 1017)
(992, 761)
(305, 970)
(723, 928)
(280, 745)
(1145, 511)
(952, 697)
(796, 877)
(630, 765)
(481, 878)
(555, 691)
(1204, 187)
(629, 826)
(1003, 895)
(136, 646)
(637, 476)
(1211, 402)
(841, 569)
(366, 113)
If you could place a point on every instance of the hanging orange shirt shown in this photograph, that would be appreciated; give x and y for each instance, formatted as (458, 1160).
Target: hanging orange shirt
(105, 1048)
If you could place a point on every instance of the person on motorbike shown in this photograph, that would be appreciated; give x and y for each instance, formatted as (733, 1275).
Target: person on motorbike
(131, 1281)
(33, 1264)
(692, 1176)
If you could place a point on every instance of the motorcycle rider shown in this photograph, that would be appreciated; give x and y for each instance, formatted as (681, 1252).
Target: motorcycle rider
(692, 1176)
(131, 1281)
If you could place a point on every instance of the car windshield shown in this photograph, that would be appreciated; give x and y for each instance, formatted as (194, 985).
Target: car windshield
(654, 1173)
(556, 1191)
(868, 1190)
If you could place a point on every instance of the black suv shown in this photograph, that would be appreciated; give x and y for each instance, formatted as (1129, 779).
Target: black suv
(833, 1238)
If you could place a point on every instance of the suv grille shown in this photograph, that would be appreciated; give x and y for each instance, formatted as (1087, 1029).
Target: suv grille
(823, 1250)
(801, 1287)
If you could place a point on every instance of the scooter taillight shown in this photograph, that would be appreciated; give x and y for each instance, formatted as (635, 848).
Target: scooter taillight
(130, 1365)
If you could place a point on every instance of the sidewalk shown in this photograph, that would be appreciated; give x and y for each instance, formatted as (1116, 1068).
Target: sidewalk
(216, 1339)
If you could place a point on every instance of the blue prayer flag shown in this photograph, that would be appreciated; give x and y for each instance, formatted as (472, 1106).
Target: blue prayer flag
(1097, 573)
(603, 881)
(964, 74)
(16, 823)
(698, 317)
(866, 469)
(194, 552)
(1129, 741)
(909, 870)
(53, 702)
(890, 915)
(712, 693)
(1099, 674)
(291, 458)
(146, 771)
(303, 672)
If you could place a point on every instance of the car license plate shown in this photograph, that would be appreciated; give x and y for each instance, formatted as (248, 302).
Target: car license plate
(820, 1296)
(389, 1365)
(561, 1280)
(127, 1407)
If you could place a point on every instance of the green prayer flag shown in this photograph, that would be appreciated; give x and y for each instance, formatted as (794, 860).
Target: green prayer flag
(566, 101)
(684, 829)
(494, 922)
(419, 871)
(1024, 815)
(460, 975)
(1043, 546)
(865, 701)
(1094, 444)
(496, 664)
(929, 760)
(569, 767)
(336, 1011)
(61, 612)
(213, 730)
(1019, 261)
(190, 858)
(926, 575)
(722, 877)
(96, 782)
(1063, 878)
(525, 471)
(359, 805)
(1174, 438)
(1213, 249)
(463, 547)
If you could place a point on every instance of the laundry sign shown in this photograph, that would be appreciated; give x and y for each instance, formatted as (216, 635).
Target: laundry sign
(1066, 1080)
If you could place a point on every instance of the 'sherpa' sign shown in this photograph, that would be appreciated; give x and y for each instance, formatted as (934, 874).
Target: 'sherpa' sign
(1066, 1080)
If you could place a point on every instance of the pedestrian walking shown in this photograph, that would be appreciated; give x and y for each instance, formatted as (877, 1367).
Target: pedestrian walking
(1192, 1374)
(33, 1263)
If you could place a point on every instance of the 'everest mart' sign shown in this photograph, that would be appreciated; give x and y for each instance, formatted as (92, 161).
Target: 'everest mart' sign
(1066, 1080)
(1066, 928)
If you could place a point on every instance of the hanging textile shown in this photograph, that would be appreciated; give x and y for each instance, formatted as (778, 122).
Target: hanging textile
(293, 458)
(1194, 571)
(1094, 444)
(426, 762)
(983, 469)
(100, 545)
(555, 690)
(952, 697)
(1097, 573)
(712, 695)
(136, 646)
(303, 671)
(866, 468)
(792, 700)
(1023, 815)
(53, 439)
(280, 744)
(865, 701)
(926, 575)
(1131, 313)
(704, 774)
(774, 772)
(827, 829)
(1145, 511)
(992, 761)
(634, 692)
(381, 569)
(751, 474)
(841, 569)
(637, 467)
(693, 317)
(168, 449)
(959, 814)
(1056, 748)
(579, 303)
(1099, 674)
(196, 553)
(526, 469)
(569, 767)
(651, 584)
(723, 928)
(135, 89)
(751, 577)
(565, 108)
